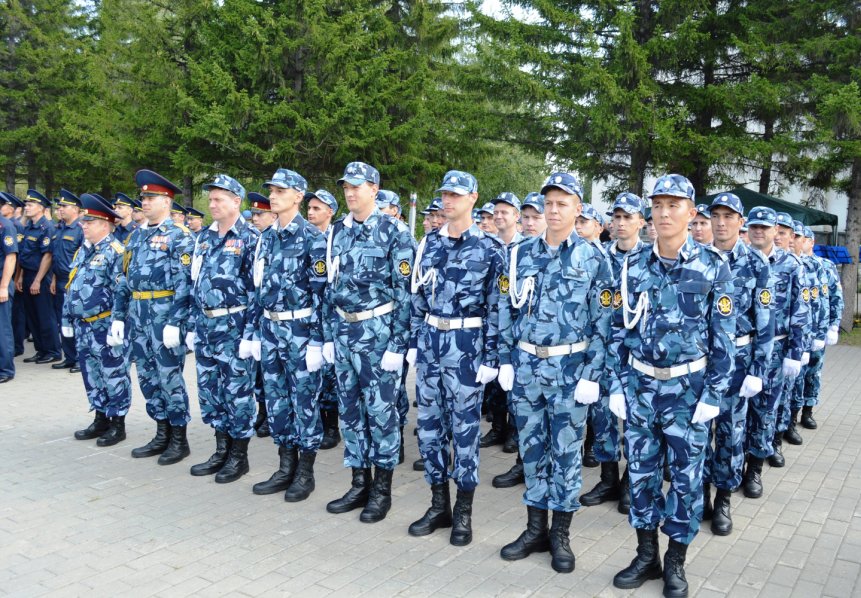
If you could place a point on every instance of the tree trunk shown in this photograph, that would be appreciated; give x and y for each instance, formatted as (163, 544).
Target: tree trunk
(187, 192)
(10, 172)
(849, 275)
(765, 173)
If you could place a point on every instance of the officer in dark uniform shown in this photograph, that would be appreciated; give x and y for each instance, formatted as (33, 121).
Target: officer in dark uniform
(125, 206)
(8, 261)
(68, 236)
(194, 221)
(8, 205)
(34, 282)
(178, 213)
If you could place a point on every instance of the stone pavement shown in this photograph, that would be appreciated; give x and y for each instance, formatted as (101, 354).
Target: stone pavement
(79, 520)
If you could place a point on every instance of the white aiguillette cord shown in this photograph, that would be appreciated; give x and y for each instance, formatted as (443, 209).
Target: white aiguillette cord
(332, 266)
(641, 310)
(419, 278)
(519, 297)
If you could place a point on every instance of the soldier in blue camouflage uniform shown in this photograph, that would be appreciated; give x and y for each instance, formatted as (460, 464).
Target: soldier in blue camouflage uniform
(125, 206)
(754, 338)
(96, 271)
(485, 216)
(290, 275)
(677, 343)
(154, 296)
(790, 315)
(8, 263)
(221, 330)
(532, 215)
(8, 204)
(554, 332)
(456, 282)
(67, 238)
(366, 317)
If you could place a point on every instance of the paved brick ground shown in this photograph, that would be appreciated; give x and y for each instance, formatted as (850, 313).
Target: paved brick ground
(76, 519)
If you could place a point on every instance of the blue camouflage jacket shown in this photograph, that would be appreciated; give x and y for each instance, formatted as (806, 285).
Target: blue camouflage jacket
(791, 312)
(96, 271)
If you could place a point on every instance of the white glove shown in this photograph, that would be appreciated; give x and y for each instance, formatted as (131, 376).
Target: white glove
(249, 349)
(750, 387)
(617, 406)
(506, 377)
(791, 368)
(67, 331)
(329, 352)
(314, 358)
(587, 392)
(805, 358)
(118, 331)
(486, 374)
(113, 341)
(818, 345)
(392, 362)
(704, 413)
(170, 337)
(833, 335)
(412, 355)
(189, 341)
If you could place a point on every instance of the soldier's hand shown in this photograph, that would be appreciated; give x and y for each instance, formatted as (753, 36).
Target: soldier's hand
(486, 374)
(750, 387)
(818, 344)
(506, 377)
(704, 413)
(35, 288)
(19, 285)
(791, 367)
(314, 358)
(118, 332)
(189, 341)
(53, 286)
(67, 331)
(617, 406)
(4, 295)
(833, 335)
(170, 337)
(329, 352)
(392, 362)
(587, 392)
(412, 355)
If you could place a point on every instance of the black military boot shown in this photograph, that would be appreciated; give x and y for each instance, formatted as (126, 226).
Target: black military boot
(380, 498)
(279, 481)
(609, 488)
(625, 493)
(562, 559)
(237, 462)
(510, 445)
(437, 516)
(589, 459)
(807, 420)
(356, 496)
(536, 538)
(217, 460)
(158, 444)
(752, 482)
(707, 502)
(461, 527)
(303, 482)
(98, 427)
(401, 455)
(331, 433)
(496, 434)
(177, 448)
(645, 566)
(512, 477)
(261, 415)
(419, 464)
(721, 518)
(791, 435)
(667, 476)
(116, 432)
(777, 459)
(264, 431)
(675, 584)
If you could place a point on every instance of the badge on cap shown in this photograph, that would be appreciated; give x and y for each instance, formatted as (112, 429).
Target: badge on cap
(404, 268)
(724, 305)
(667, 184)
(558, 179)
(502, 284)
(452, 180)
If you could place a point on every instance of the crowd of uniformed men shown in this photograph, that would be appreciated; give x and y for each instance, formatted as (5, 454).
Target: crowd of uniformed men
(692, 355)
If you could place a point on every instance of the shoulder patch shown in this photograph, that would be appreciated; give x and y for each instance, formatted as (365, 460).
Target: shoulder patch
(8, 241)
(605, 298)
(814, 292)
(805, 294)
(617, 299)
(502, 284)
(182, 227)
(320, 267)
(764, 297)
(117, 246)
(404, 268)
(185, 259)
(46, 241)
(724, 305)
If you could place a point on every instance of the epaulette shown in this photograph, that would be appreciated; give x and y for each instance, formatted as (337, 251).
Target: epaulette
(182, 227)
(117, 246)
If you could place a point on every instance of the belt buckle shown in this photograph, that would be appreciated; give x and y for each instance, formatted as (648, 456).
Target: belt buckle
(542, 352)
(207, 313)
(662, 374)
(443, 324)
(350, 318)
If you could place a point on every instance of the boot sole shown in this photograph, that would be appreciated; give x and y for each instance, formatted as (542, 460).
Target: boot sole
(587, 502)
(298, 497)
(720, 532)
(340, 510)
(459, 542)
(423, 533)
(636, 584)
(520, 557)
(559, 569)
(268, 491)
(147, 455)
(752, 495)
(111, 443)
(173, 460)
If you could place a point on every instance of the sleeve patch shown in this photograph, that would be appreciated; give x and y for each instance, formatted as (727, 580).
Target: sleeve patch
(724, 305)
(404, 268)
(502, 284)
(805, 294)
(185, 259)
(764, 297)
(320, 267)
(8, 241)
(605, 298)
(617, 299)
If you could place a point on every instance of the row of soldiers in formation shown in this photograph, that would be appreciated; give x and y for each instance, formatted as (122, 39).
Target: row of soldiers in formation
(705, 352)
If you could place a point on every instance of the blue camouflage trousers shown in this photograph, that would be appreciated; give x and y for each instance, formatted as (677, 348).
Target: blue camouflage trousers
(328, 388)
(159, 368)
(725, 448)
(551, 426)
(449, 404)
(225, 382)
(762, 408)
(607, 445)
(105, 369)
(367, 394)
(812, 380)
(291, 390)
(659, 422)
(792, 389)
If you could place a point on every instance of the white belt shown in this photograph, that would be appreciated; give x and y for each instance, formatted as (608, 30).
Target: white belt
(742, 341)
(552, 351)
(669, 373)
(284, 316)
(222, 311)
(367, 314)
(781, 337)
(453, 323)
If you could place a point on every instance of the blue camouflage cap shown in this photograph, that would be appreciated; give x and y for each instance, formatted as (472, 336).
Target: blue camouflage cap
(96, 207)
(388, 198)
(488, 209)
(357, 173)
(784, 219)
(35, 196)
(808, 233)
(324, 196)
(628, 202)
(703, 210)
(457, 181)
(798, 228)
(67, 198)
(435, 205)
(674, 185)
(507, 197)
(591, 213)
(727, 200)
(534, 200)
(287, 179)
(743, 228)
(228, 183)
(565, 181)
(762, 217)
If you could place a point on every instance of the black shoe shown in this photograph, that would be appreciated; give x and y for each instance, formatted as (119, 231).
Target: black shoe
(752, 482)
(98, 427)
(261, 415)
(4, 379)
(645, 566)
(777, 459)
(707, 502)
(217, 460)
(356, 496)
(625, 493)
(35, 358)
(237, 462)
(589, 459)
(562, 559)
(288, 458)
(158, 444)
(331, 433)
(807, 420)
(303, 482)
(461, 516)
(401, 455)
(177, 448)
(667, 476)
(116, 432)
(48, 359)
(380, 497)
(437, 516)
(510, 445)
(419, 464)
(493, 437)
(536, 537)
(264, 431)
(609, 488)
(722, 518)
(791, 435)
(512, 477)
(75, 369)
(63, 365)
(675, 584)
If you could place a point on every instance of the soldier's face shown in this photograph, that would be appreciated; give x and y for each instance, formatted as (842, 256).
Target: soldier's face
(284, 200)
(438, 218)
(263, 220)
(701, 229)
(561, 210)
(626, 226)
(726, 224)
(671, 215)
(195, 223)
(33, 210)
(6, 210)
(783, 237)
(319, 214)
(223, 205)
(533, 222)
(123, 211)
(486, 223)
(762, 237)
(456, 207)
(798, 244)
(651, 232)
(95, 230)
(744, 238)
(427, 224)
(587, 228)
(70, 214)
(178, 217)
(360, 198)
(155, 208)
(137, 215)
(505, 216)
